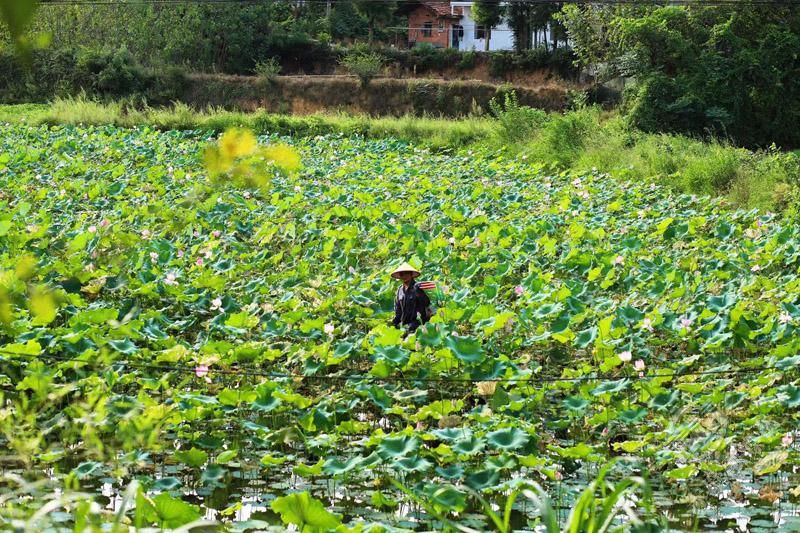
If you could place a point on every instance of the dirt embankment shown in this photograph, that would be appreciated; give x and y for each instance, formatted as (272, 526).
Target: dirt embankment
(383, 96)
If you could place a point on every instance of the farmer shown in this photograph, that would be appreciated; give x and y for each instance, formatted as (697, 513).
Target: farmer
(411, 304)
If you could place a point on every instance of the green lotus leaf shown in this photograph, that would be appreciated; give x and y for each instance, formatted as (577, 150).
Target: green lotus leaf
(306, 512)
(167, 484)
(335, 467)
(585, 338)
(789, 395)
(452, 434)
(193, 457)
(787, 362)
(171, 512)
(303, 470)
(453, 471)
(611, 387)
(684, 472)
(88, 468)
(633, 416)
(466, 349)
(469, 446)
(226, 457)
(397, 355)
(575, 403)
(412, 464)
(447, 499)
(665, 400)
(343, 349)
(430, 335)
(394, 447)
(579, 451)
(482, 480)
(507, 438)
(124, 346)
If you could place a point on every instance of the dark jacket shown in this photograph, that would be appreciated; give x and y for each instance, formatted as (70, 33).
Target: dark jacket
(412, 309)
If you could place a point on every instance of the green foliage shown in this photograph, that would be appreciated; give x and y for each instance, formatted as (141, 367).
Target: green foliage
(267, 70)
(517, 122)
(306, 512)
(246, 328)
(727, 71)
(107, 73)
(488, 14)
(364, 65)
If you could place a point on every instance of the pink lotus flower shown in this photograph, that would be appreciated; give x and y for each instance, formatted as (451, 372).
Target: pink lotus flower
(647, 324)
(639, 365)
(685, 322)
(105, 223)
(179, 254)
(246, 194)
(625, 356)
(329, 328)
(558, 475)
(785, 318)
(154, 256)
(477, 241)
(619, 260)
(32, 228)
(519, 290)
(145, 234)
(169, 279)
(92, 229)
(216, 233)
(605, 431)
(89, 267)
(392, 221)
(216, 303)
(195, 233)
(199, 261)
(206, 252)
(452, 241)
(201, 371)
(755, 268)
(787, 440)
(577, 182)
(351, 270)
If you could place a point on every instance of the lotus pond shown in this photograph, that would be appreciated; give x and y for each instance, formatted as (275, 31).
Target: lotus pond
(175, 351)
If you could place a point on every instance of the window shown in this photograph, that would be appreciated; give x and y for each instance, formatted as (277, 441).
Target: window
(480, 32)
(441, 25)
(427, 29)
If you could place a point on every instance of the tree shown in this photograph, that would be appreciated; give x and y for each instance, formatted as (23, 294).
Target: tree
(520, 17)
(17, 16)
(487, 13)
(375, 12)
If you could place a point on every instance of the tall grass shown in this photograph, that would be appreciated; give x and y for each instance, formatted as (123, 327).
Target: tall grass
(577, 140)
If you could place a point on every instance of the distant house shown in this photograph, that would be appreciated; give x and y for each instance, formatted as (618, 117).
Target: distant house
(434, 23)
(449, 24)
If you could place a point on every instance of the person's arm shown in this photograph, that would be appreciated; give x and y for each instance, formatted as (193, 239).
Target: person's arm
(423, 302)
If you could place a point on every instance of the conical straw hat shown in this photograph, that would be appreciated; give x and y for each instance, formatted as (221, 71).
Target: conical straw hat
(405, 267)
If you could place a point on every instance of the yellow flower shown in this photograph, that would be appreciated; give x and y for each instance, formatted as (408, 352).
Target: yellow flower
(237, 142)
(282, 156)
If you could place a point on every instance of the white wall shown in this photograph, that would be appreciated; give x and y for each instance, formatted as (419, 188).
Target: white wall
(502, 37)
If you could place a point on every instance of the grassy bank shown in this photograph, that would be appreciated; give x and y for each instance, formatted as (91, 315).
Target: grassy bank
(578, 140)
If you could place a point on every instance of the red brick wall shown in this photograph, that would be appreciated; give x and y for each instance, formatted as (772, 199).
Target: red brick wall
(417, 20)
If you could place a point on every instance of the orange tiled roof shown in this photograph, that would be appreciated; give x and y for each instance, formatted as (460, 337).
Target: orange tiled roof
(442, 9)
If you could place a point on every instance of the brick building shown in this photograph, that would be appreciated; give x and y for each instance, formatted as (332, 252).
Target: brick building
(434, 22)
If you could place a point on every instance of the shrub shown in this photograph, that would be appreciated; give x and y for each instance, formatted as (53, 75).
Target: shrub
(517, 122)
(267, 70)
(364, 65)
